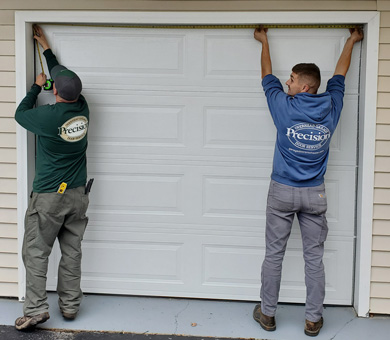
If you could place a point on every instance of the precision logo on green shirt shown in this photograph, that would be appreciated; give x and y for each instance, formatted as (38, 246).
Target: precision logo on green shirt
(74, 129)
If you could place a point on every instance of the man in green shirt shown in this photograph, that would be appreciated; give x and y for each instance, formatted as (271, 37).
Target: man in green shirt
(59, 200)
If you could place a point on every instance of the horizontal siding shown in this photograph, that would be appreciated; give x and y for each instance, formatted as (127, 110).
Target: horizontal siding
(7, 171)
(8, 215)
(7, 109)
(8, 204)
(384, 68)
(380, 278)
(380, 306)
(382, 148)
(8, 275)
(385, 19)
(276, 5)
(7, 47)
(381, 196)
(383, 5)
(7, 63)
(8, 260)
(383, 82)
(381, 227)
(381, 258)
(7, 79)
(8, 201)
(382, 180)
(8, 189)
(383, 115)
(8, 140)
(383, 132)
(8, 95)
(381, 243)
(7, 155)
(8, 185)
(7, 32)
(8, 230)
(7, 125)
(380, 290)
(380, 274)
(8, 289)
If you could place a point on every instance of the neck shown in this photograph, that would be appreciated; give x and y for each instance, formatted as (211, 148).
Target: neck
(62, 100)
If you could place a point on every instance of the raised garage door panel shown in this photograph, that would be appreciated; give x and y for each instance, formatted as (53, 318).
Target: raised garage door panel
(181, 145)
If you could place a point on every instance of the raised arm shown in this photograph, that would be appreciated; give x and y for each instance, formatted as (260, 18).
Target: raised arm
(260, 34)
(40, 37)
(345, 57)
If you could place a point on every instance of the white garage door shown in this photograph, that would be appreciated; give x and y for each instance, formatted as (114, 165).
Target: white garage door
(181, 145)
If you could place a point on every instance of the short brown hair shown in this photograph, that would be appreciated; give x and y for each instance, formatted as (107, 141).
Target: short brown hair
(309, 71)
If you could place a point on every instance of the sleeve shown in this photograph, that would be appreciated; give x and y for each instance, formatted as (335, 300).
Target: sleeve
(26, 114)
(336, 88)
(51, 59)
(277, 99)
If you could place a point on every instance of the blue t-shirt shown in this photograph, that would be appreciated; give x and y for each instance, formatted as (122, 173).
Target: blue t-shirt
(305, 124)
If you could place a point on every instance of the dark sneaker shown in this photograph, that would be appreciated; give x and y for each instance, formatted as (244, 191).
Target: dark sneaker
(313, 328)
(265, 321)
(69, 316)
(25, 322)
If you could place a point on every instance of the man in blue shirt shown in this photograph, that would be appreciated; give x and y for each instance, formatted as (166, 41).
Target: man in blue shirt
(305, 122)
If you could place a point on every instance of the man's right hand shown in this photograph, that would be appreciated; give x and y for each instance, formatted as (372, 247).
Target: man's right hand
(40, 37)
(356, 34)
(260, 34)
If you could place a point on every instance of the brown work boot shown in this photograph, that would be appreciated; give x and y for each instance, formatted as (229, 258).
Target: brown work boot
(69, 316)
(265, 321)
(313, 328)
(25, 322)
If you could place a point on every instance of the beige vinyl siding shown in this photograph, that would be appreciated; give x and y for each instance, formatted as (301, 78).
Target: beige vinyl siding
(8, 226)
(380, 279)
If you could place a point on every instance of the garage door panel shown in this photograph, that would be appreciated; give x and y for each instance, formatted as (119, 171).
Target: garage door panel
(229, 196)
(234, 197)
(228, 127)
(343, 144)
(147, 261)
(155, 55)
(239, 126)
(148, 125)
(199, 59)
(231, 56)
(138, 193)
(337, 250)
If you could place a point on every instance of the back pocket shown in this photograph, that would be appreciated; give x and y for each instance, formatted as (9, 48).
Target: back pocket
(280, 197)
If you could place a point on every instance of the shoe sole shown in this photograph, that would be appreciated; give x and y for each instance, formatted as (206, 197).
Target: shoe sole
(69, 316)
(309, 333)
(265, 327)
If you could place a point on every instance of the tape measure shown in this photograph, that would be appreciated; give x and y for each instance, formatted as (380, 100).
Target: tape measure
(216, 26)
(49, 82)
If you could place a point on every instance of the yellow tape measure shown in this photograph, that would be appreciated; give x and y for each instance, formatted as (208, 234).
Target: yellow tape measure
(217, 26)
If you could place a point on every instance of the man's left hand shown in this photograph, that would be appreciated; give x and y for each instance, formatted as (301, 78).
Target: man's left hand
(41, 79)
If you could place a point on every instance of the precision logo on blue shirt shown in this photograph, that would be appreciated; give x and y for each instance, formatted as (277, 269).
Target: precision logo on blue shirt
(309, 137)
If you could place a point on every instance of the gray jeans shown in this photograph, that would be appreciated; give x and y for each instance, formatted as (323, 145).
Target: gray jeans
(50, 216)
(309, 204)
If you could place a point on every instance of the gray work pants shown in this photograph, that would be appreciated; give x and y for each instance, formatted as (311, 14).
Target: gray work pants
(50, 216)
(310, 204)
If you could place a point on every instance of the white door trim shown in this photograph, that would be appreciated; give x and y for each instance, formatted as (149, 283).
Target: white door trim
(25, 77)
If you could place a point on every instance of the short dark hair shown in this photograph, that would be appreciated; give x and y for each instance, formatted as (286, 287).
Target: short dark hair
(309, 71)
